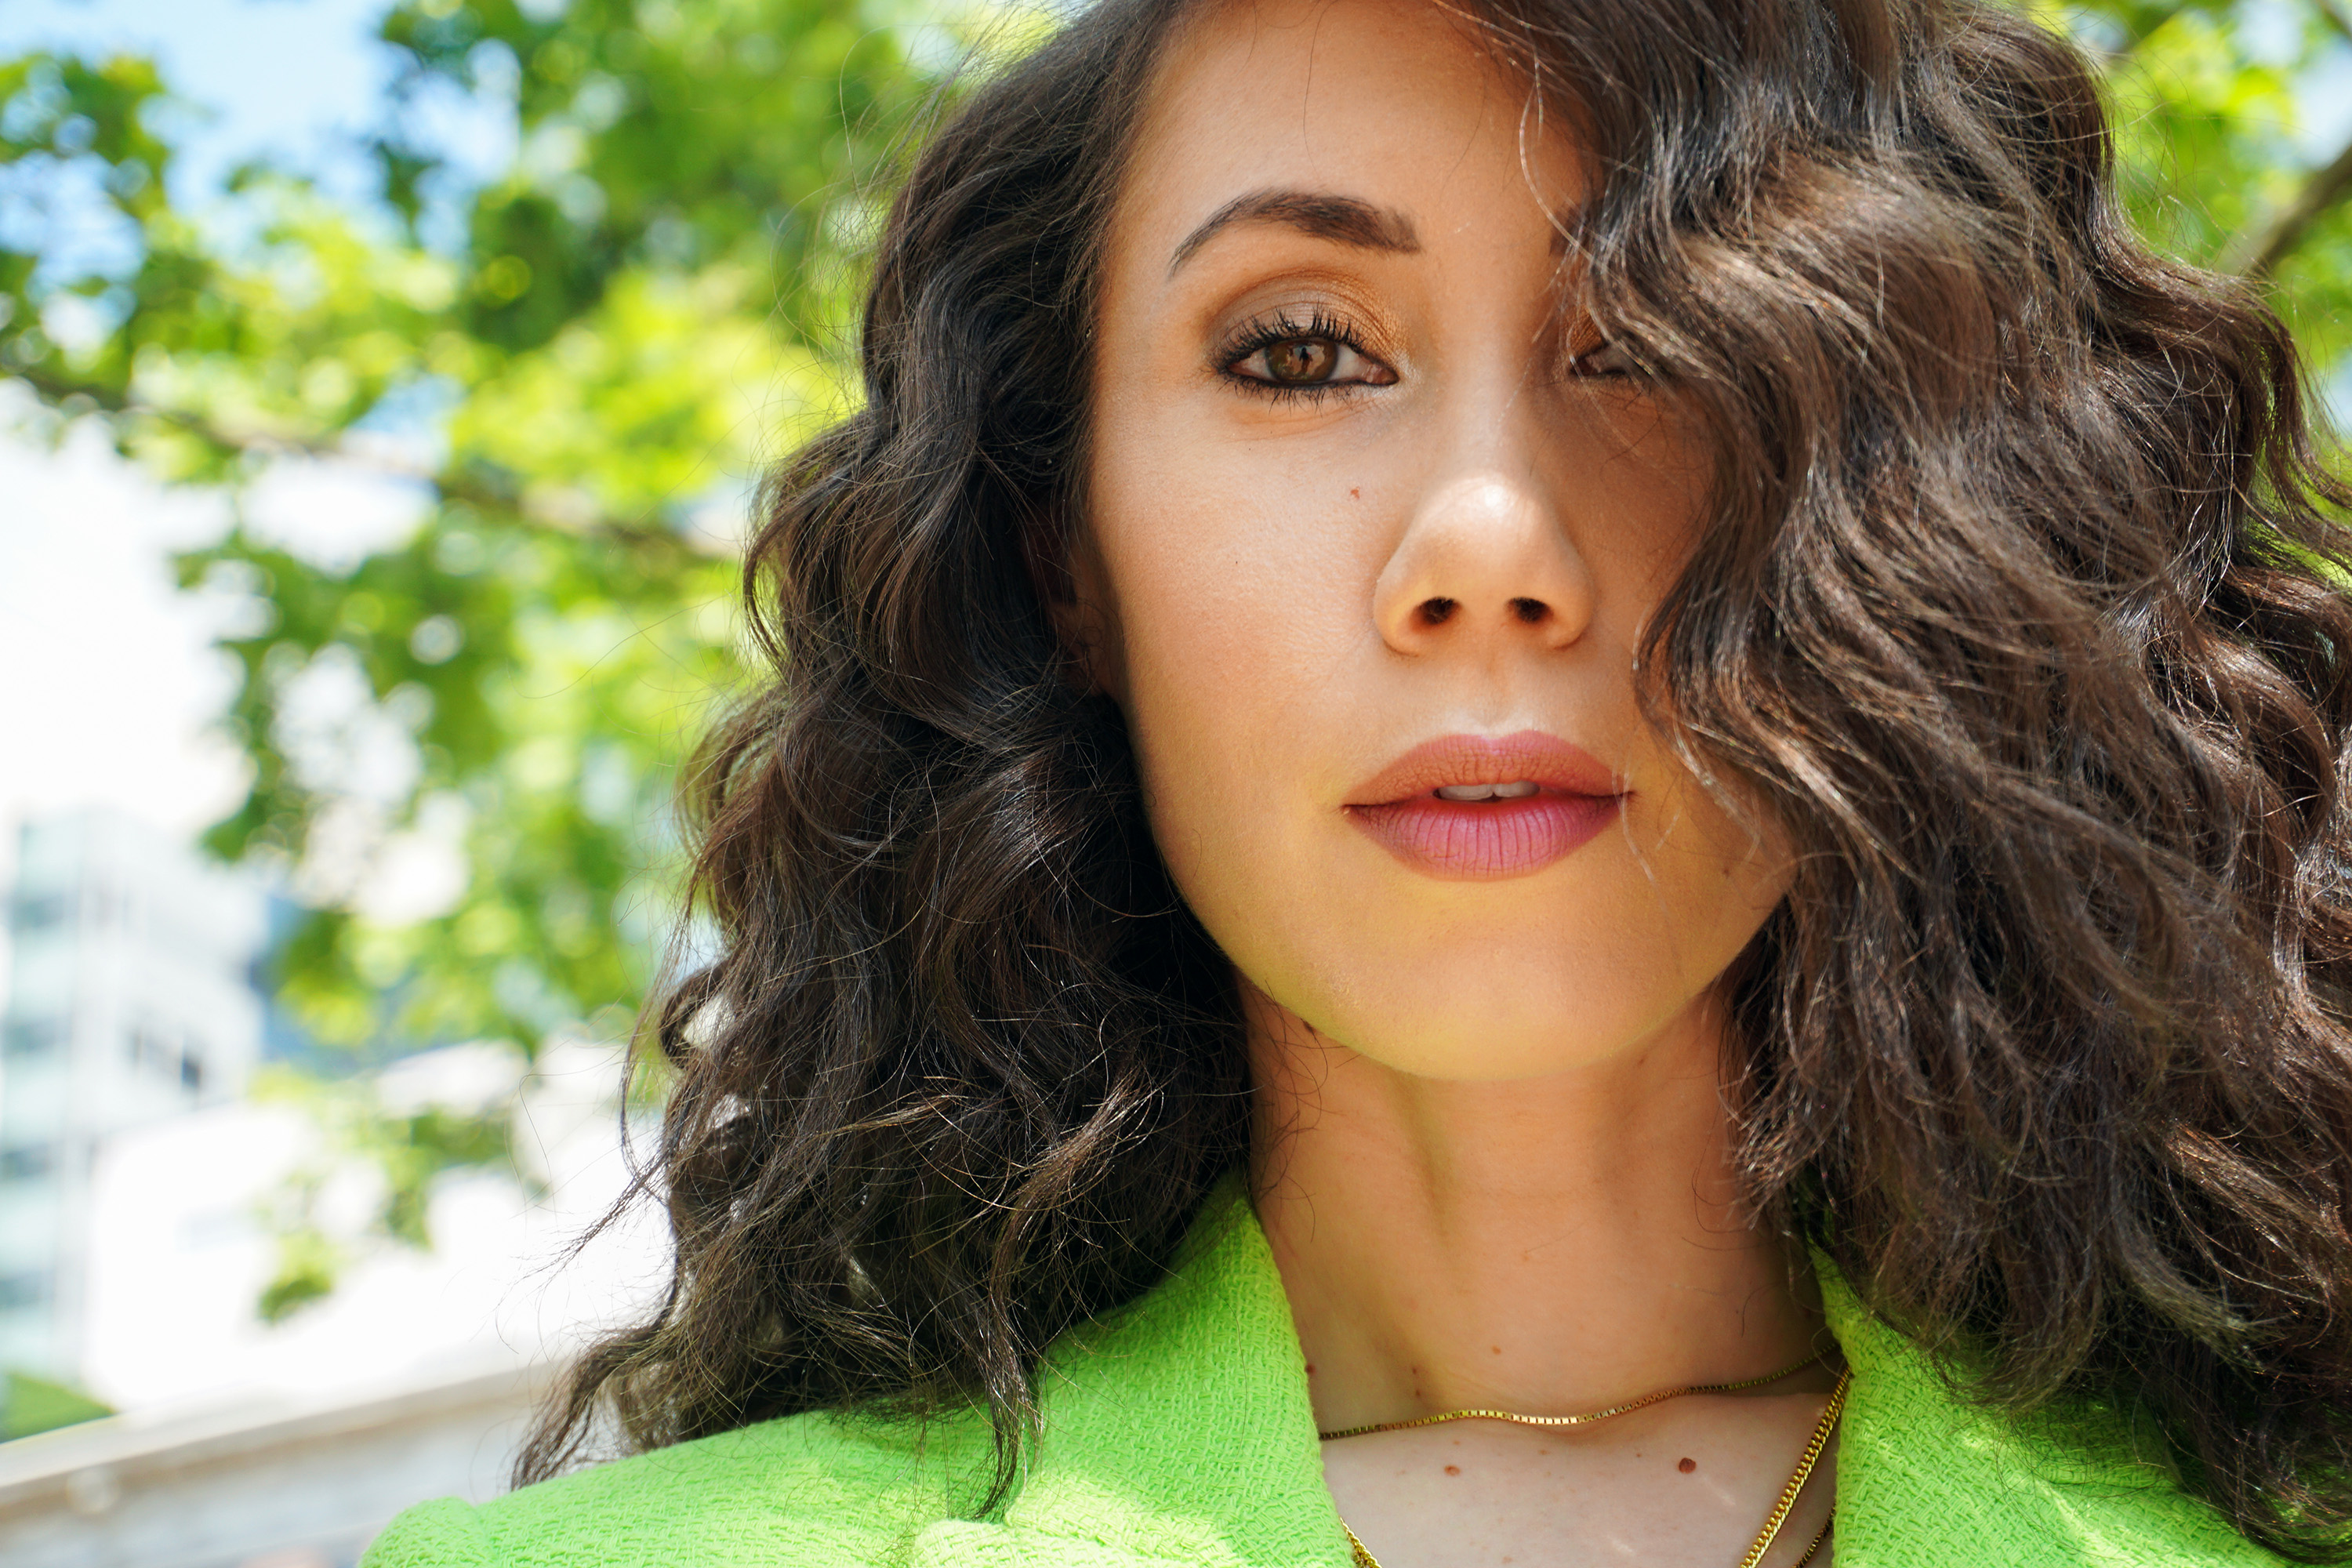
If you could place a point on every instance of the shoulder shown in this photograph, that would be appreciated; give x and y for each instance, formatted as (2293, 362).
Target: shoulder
(811, 1489)
(1177, 1430)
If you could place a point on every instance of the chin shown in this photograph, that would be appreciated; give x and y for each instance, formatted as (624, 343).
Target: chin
(1485, 1032)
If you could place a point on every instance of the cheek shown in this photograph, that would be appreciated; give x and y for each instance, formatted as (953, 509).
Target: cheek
(1238, 603)
(1718, 872)
(1237, 589)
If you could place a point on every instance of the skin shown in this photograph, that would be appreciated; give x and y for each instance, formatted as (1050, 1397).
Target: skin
(1492, 1154)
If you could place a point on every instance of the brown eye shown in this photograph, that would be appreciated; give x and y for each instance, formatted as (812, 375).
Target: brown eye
(1308, 358)
(1302, 360)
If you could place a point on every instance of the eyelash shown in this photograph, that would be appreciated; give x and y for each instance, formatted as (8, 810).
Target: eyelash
(1269, 332)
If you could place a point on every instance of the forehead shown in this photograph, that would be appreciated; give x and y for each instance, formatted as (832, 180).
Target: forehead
(1399, 103)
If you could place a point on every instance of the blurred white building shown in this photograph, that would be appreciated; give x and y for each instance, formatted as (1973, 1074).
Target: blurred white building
(181, 1213)
(243, 1444)
(131, 1001)
(142, 1196)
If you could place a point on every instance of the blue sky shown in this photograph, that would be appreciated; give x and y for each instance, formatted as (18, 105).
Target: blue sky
(299, 80)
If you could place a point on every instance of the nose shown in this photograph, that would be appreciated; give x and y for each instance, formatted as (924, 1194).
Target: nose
(1483, 563)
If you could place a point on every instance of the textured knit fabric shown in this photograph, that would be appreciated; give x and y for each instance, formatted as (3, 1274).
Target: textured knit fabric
(1178, 1431)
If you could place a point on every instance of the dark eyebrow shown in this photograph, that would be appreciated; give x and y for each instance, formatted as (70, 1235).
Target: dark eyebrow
(1342, 218)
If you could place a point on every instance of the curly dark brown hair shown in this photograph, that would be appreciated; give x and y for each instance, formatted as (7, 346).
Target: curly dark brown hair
(2020, 611)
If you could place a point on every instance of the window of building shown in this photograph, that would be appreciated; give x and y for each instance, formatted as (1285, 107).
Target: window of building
(35, 1037)
(155, 1049)
(30, 1289)
(39, 911)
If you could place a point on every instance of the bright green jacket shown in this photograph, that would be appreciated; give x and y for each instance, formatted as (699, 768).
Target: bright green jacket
(1177, 1430)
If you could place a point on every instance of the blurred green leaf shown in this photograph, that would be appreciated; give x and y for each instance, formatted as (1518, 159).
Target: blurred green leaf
(30, 1404)
(649, 304)
(654, 300)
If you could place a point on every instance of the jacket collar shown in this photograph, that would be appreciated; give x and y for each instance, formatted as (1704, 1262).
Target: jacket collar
(1181, 1429)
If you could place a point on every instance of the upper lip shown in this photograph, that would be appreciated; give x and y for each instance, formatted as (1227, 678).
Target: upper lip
(1529, 756)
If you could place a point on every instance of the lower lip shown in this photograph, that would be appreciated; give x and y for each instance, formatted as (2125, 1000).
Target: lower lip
(1485, 840)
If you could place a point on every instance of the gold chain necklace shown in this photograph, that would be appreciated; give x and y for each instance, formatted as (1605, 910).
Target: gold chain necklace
(1772, 1523)
(1587, 1419)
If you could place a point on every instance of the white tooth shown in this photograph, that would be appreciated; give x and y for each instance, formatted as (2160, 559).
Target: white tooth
(1466, 791)
(1518, 791)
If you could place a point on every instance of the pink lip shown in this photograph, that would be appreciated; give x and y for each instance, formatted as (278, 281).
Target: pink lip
(1576, 797)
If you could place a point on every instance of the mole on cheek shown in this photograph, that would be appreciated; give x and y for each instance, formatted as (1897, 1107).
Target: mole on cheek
(1453, 1469)
(1687, 1465)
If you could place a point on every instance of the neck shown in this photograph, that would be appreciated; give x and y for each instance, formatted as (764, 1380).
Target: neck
(1544, 1246)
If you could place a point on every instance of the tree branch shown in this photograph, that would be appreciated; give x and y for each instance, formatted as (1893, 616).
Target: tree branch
(2259, 249)
(456, 485)
(2256, 251)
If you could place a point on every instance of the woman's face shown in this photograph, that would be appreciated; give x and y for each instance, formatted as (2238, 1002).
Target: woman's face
(1374, 531)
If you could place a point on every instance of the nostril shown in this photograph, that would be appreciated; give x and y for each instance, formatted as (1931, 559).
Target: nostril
(1530, 610)
(1437, 612)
